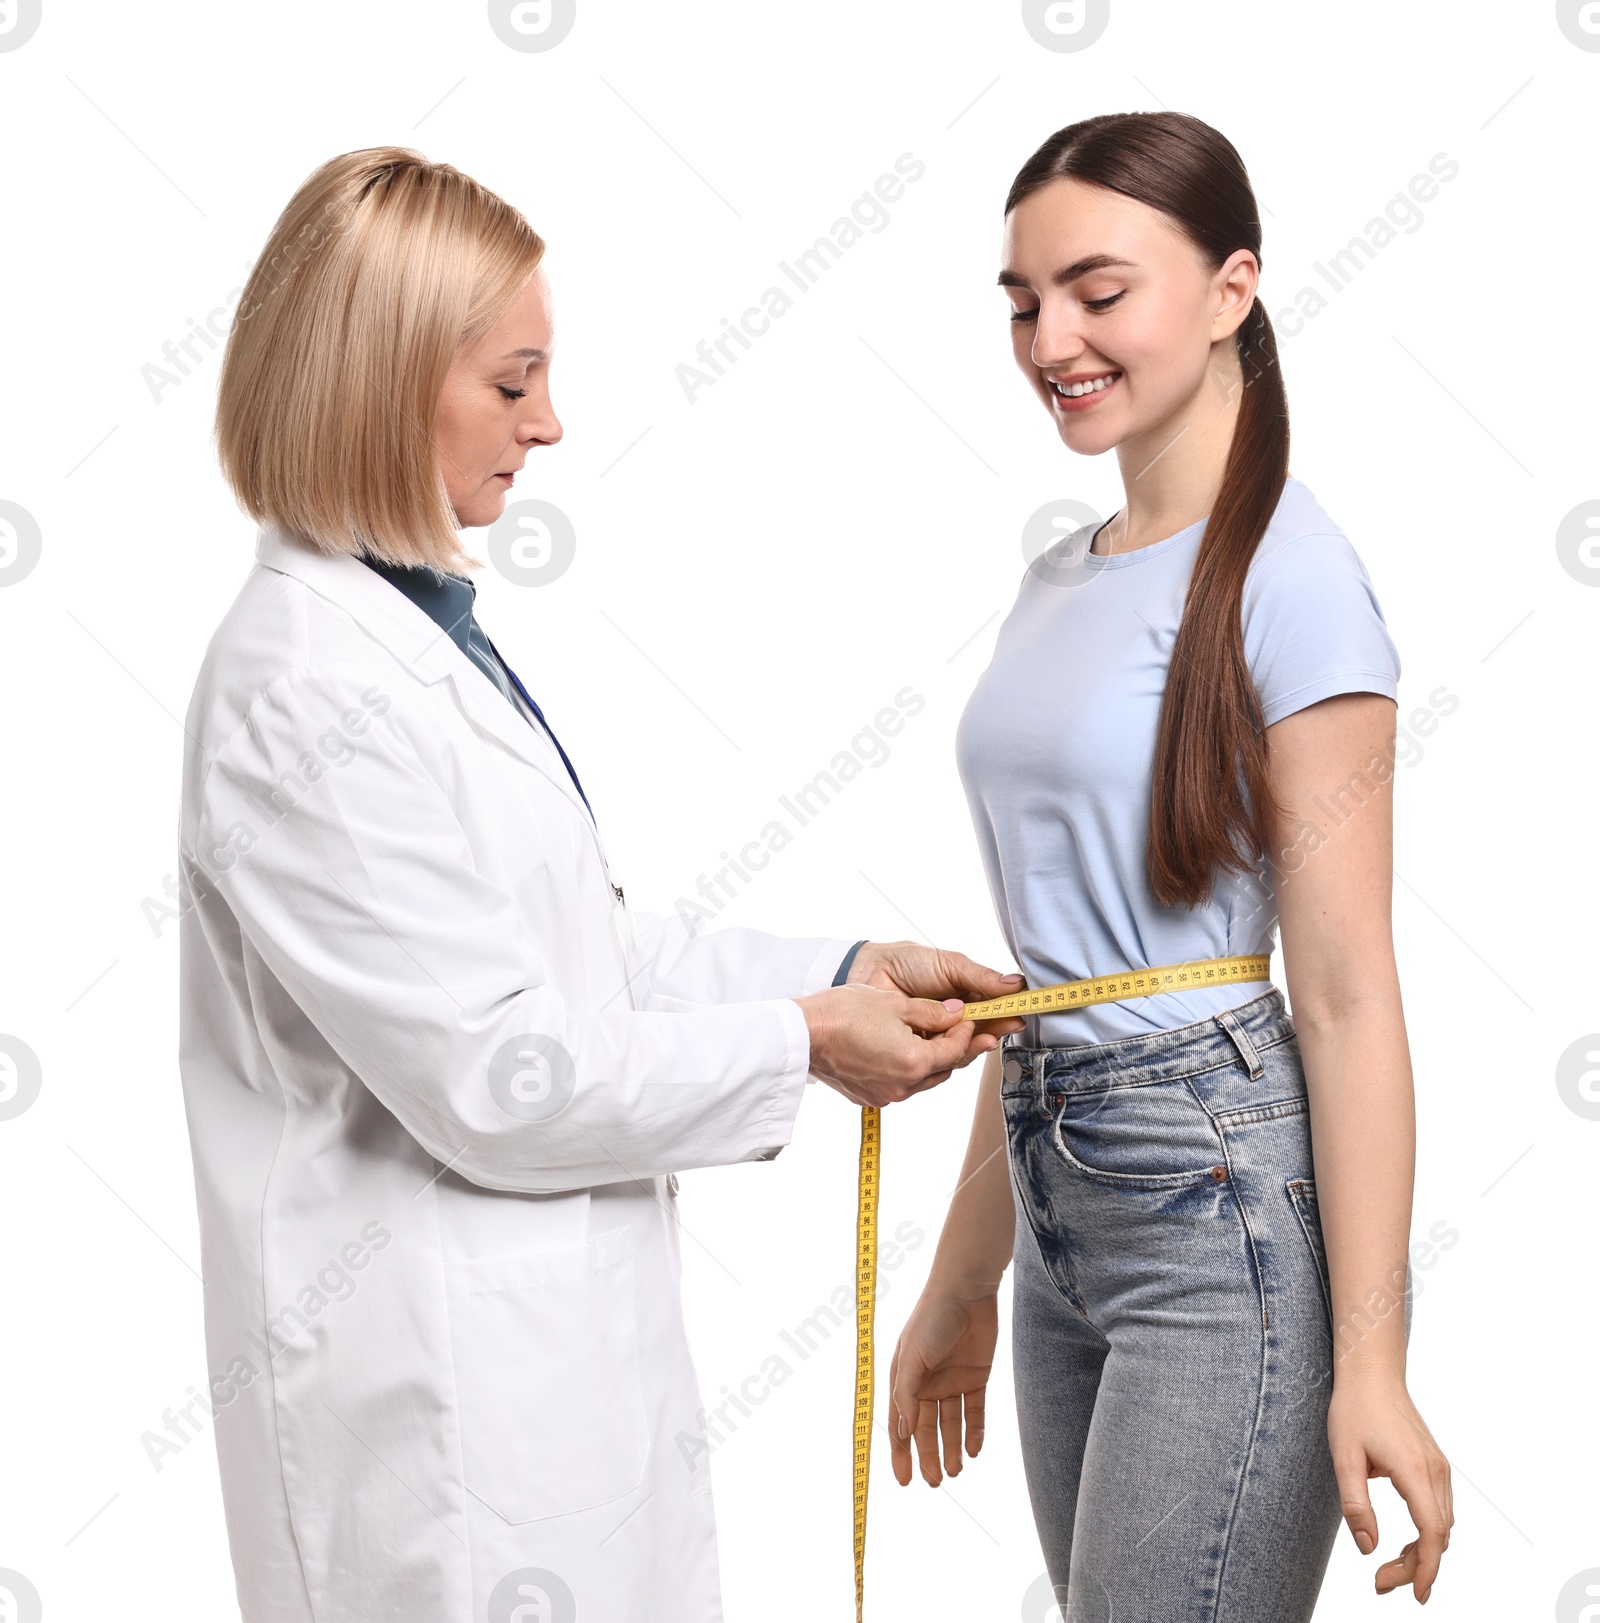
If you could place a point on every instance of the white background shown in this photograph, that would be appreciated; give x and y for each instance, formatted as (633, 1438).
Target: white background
(837, 518)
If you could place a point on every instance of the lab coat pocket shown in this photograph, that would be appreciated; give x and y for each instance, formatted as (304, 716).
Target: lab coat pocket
(547, 1377)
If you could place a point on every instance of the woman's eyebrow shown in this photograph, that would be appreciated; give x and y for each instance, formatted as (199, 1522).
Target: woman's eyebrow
(1070, 273)
(529, 354)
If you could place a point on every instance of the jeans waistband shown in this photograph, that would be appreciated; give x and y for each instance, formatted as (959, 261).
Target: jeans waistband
(1239, 1033)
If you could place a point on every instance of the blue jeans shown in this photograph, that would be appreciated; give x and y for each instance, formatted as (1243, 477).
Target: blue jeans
(1172, 1332)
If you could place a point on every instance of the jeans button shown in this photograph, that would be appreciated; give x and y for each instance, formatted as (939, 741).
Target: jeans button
(1011, 1071)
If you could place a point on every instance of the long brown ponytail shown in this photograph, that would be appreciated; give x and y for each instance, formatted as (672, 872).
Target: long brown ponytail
(1210, 804)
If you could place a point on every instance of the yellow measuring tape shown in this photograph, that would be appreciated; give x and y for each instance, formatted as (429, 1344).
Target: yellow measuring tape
(1038, 1000)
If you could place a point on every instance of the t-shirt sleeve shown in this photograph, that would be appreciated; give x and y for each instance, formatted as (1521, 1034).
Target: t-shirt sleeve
(1313, 627)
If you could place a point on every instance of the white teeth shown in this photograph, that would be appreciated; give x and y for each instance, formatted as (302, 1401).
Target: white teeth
(1093, 386)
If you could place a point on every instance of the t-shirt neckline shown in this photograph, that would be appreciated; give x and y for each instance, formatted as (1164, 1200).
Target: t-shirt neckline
(1120, 560)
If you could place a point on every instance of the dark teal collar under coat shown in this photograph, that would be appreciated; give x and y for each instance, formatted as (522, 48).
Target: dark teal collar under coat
(447, 600)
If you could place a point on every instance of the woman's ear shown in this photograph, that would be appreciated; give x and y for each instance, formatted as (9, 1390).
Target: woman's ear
(1236, 282)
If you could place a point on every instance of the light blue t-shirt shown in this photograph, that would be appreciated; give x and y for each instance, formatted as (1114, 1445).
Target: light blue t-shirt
(1056, 750)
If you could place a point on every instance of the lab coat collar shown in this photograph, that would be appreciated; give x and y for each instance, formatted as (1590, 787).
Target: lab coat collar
(421, 647)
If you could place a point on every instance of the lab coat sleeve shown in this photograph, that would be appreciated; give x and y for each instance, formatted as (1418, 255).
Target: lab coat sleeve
(356, 885)
(688, 964)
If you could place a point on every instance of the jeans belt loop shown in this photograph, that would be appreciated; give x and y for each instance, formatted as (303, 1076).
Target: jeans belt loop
(1229, 1022)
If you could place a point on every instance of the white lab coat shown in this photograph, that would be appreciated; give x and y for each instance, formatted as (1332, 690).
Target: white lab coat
(437, 1082)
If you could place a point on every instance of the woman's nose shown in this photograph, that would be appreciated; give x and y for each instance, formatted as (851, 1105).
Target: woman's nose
(544, 429)
(1057, 339)
(1057, 351)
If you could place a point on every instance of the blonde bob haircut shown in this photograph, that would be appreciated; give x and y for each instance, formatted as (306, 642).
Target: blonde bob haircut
(380, 269)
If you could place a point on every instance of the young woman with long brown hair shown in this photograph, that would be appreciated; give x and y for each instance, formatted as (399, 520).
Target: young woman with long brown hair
(1185, 737)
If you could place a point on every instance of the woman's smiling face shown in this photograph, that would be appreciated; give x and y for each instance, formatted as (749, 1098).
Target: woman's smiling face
(1110, 298)
(495, 407)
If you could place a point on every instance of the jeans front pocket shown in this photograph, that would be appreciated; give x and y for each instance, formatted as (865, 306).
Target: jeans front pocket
(1154, 1136)
(545, 1345)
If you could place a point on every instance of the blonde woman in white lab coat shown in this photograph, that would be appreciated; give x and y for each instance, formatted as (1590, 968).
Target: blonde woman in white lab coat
(438, 1078)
